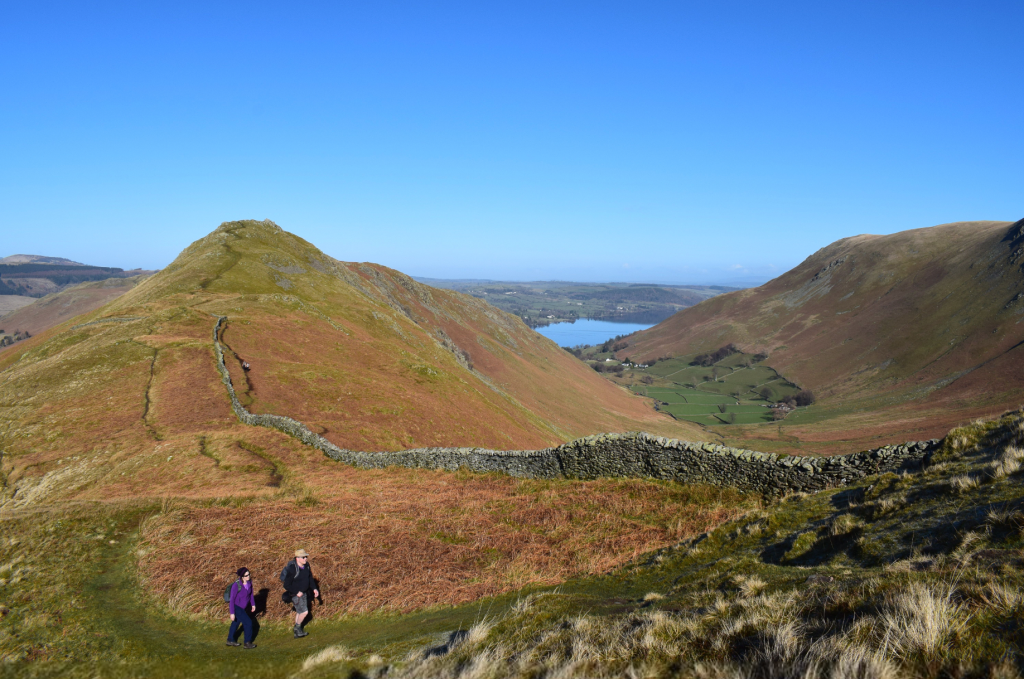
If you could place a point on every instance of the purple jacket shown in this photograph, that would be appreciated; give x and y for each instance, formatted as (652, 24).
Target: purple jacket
(241, 597)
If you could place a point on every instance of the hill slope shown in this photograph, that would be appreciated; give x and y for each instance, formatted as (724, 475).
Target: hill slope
(58, 307)
(362, 354)
(38, 259)
(925, 323)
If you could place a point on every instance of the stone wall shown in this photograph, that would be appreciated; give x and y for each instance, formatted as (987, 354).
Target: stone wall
(636, 455)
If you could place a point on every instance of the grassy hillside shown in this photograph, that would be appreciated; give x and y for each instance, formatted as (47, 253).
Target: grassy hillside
(917, 574)
(923, 325)
(362, 354)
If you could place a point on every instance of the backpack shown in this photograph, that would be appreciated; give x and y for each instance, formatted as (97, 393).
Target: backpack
(284, 571)
(227, 592)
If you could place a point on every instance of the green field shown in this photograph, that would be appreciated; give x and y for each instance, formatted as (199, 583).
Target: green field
(694, 393)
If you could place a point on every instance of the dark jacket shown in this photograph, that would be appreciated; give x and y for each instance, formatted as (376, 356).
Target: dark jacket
(299, 579)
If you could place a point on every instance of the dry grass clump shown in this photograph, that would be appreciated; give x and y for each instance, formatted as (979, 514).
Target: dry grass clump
(402, 539)
(1001, 596)
(968, 545)
(331, 654)
(888, 505)
(963, 483)
(920, 619)
(749, 585)
(844, 524)
(1008, 462)
(1005, 517)
(777, 642)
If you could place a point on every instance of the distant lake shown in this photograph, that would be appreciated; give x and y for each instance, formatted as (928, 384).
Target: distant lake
(586, 331)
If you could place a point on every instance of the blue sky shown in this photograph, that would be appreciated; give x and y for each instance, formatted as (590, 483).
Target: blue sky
(672, 142)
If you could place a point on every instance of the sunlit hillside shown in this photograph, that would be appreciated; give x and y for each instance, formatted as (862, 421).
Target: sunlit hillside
(899, 336)
(360, 353)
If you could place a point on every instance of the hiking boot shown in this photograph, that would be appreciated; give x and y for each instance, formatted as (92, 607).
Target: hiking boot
(233, 643)
(250, 645)
(299, 632)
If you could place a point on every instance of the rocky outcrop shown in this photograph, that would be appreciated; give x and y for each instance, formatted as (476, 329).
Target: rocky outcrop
(636, 455)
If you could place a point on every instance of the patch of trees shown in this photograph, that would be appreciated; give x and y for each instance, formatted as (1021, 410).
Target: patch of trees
(803, 398)
(616, 343)
(606, 368)
(647, 379)
(760, 356)
(575, 351)
(715, 356)
(8, 340)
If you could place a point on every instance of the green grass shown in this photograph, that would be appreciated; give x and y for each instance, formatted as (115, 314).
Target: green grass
(910, 575)
(691, 392)
(74, 609)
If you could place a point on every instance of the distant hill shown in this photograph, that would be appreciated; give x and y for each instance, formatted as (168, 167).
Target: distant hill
(37, 276)
(922, 328)
(38, 259)
(540, 303)
(360, 353)
(41, 314)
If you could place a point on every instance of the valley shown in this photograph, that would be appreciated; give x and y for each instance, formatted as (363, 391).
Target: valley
(476, 496)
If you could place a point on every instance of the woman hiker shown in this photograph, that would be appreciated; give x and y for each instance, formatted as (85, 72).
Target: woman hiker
(241, 603)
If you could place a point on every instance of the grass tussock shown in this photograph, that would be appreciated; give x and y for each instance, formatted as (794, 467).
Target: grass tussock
(331, 654)
(909, 575)
(920, 619)
(963, 483)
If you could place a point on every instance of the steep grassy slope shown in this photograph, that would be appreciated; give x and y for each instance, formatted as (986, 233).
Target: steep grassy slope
(362, 354)
(912, 575)
(926, 324)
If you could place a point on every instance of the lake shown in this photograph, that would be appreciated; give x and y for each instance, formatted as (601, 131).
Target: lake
(586, 331)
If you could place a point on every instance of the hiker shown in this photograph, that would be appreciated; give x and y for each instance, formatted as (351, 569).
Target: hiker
(241, 598)
(298, 581)
(245, 366)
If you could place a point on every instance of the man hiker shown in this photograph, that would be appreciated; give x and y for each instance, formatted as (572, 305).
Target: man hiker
(298, 583)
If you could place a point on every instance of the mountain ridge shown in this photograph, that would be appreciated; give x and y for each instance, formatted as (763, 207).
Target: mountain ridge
(361, 354)
(927, 319)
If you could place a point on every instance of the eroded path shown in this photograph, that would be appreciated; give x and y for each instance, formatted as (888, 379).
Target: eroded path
(118, 633)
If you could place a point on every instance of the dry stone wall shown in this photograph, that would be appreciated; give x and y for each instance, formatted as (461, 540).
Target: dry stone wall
(636, 455)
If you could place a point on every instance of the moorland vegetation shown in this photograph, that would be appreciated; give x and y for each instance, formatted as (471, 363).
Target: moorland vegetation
(906, 334)
(123, 464)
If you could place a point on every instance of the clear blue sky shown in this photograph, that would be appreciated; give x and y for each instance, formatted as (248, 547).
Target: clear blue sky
(674, 142)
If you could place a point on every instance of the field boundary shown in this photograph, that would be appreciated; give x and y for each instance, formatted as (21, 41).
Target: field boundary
(630, 455)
